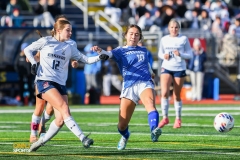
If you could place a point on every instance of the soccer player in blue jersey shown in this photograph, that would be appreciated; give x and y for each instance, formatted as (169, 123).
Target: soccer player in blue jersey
(138, 84)
(174, 49)
(51, 76)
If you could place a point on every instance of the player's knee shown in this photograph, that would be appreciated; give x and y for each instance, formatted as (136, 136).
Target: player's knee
(149, 101)
(59, 122)
(40, 103)
(64, 109)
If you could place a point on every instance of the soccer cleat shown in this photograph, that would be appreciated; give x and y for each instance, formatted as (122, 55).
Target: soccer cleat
(36, 145)
(155, 134)
(33, 138)
(87, 141)
(163, 122)
(177, 123)
(122, 143)
(42, 129)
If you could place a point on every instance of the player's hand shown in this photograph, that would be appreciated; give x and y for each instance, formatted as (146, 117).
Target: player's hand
(37, 57)
(103, 57)
(153, 75)
(34, 69)
(166, 56)
(176, 53)
(74, 64)
(96, 49)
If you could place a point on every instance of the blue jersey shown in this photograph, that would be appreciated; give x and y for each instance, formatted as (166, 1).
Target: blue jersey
(133, 64)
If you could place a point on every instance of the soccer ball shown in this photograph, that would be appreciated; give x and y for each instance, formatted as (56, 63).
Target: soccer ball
(224, 122)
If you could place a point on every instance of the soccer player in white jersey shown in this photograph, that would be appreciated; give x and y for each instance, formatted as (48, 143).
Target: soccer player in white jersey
(174, 49)
(51, 76)
(38, 123)
(132, 61)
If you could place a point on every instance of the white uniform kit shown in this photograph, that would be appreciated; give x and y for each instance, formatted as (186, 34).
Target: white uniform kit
(54, 58)
(167, 45)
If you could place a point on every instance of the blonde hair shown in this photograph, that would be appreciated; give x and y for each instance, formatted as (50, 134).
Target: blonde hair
(59, 25)
(174, 21)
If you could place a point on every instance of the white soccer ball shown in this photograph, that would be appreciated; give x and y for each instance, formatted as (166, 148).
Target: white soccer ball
(224, 122)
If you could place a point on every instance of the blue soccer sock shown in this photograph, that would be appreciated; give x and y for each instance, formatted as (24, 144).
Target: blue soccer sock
(153, 119)
(124, 133)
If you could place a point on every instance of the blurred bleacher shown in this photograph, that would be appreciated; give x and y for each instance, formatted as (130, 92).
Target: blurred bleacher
(96, 33)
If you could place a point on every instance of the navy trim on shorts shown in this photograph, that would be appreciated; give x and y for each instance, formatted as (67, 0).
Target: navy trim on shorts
(43, 86)
(174, 73)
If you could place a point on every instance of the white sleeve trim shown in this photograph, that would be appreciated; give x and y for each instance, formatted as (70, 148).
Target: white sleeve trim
(106, 52)
(89, 60)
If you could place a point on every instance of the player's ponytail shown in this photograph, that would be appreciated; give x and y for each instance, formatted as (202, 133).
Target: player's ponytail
(52, 32)
(39, 33)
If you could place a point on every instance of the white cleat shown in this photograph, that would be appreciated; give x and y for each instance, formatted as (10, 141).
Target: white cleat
(36, 145)
(122, 143)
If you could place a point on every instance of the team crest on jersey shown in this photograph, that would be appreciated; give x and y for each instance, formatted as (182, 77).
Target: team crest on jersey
(162, 70)
(45, 85)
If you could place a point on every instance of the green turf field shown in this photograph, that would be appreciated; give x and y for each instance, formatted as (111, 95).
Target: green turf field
(197, 139)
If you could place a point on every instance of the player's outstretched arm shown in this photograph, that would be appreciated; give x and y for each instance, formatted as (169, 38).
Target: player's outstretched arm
(101, 51)
(78, 56)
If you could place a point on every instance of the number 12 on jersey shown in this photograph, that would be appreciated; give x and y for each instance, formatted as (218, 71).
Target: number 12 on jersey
(55, 64)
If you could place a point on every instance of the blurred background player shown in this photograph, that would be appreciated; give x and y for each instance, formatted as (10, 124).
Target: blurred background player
(174, 49)
(110, 75)
(91, 72)
(25, 77)
(196, 67)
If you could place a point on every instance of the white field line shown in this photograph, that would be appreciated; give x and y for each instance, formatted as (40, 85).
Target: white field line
(170, 114)
(8, 127)
(222, 108)
(135, 133)
(110, 124)
(142, 149)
